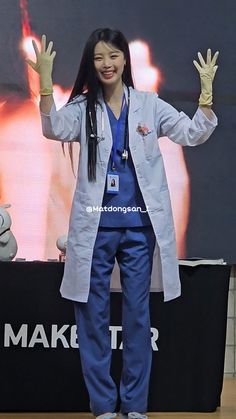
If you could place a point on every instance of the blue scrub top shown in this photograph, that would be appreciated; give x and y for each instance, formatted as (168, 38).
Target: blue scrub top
(129, 195)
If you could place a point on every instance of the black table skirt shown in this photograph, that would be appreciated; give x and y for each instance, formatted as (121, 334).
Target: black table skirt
(40, 365)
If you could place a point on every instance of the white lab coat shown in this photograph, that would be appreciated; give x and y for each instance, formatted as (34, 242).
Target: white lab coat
(161, 119)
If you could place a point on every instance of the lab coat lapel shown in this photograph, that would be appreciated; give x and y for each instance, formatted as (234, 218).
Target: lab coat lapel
(105, 140)
(135, 106)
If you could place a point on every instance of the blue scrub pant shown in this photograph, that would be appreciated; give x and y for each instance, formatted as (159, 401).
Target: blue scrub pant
(133, 248)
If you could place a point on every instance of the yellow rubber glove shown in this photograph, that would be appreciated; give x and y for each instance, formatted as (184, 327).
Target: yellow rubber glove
(207, 72)
(44, 65)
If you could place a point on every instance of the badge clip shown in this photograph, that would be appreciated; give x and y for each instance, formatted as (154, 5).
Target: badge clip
(125, 155)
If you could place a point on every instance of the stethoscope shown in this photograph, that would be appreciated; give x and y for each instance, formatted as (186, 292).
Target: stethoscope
(125, 153)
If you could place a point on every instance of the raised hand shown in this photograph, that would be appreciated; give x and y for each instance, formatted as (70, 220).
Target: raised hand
(44, 65)
(207, 70)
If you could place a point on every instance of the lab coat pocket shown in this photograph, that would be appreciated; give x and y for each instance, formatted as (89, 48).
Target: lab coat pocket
(81, 208)
(167, 210)
(150, 146)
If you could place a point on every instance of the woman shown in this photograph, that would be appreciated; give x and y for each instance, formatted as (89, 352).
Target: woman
(121, 207)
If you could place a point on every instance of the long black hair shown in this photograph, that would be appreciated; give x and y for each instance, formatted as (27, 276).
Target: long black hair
(87, 83)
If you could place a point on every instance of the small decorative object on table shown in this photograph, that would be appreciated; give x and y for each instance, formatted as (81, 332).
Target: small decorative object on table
(61, 244)
(8, 244)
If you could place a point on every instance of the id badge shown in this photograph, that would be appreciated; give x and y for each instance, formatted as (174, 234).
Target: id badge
(112, 182)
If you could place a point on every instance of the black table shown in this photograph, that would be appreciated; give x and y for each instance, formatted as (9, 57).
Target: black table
(39, 361)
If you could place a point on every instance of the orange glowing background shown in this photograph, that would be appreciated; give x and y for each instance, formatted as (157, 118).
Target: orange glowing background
(36, 178)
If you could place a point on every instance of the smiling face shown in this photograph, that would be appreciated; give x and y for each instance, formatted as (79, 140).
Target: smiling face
(109, 64)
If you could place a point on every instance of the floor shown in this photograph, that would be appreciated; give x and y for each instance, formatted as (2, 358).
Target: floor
(226, 411)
